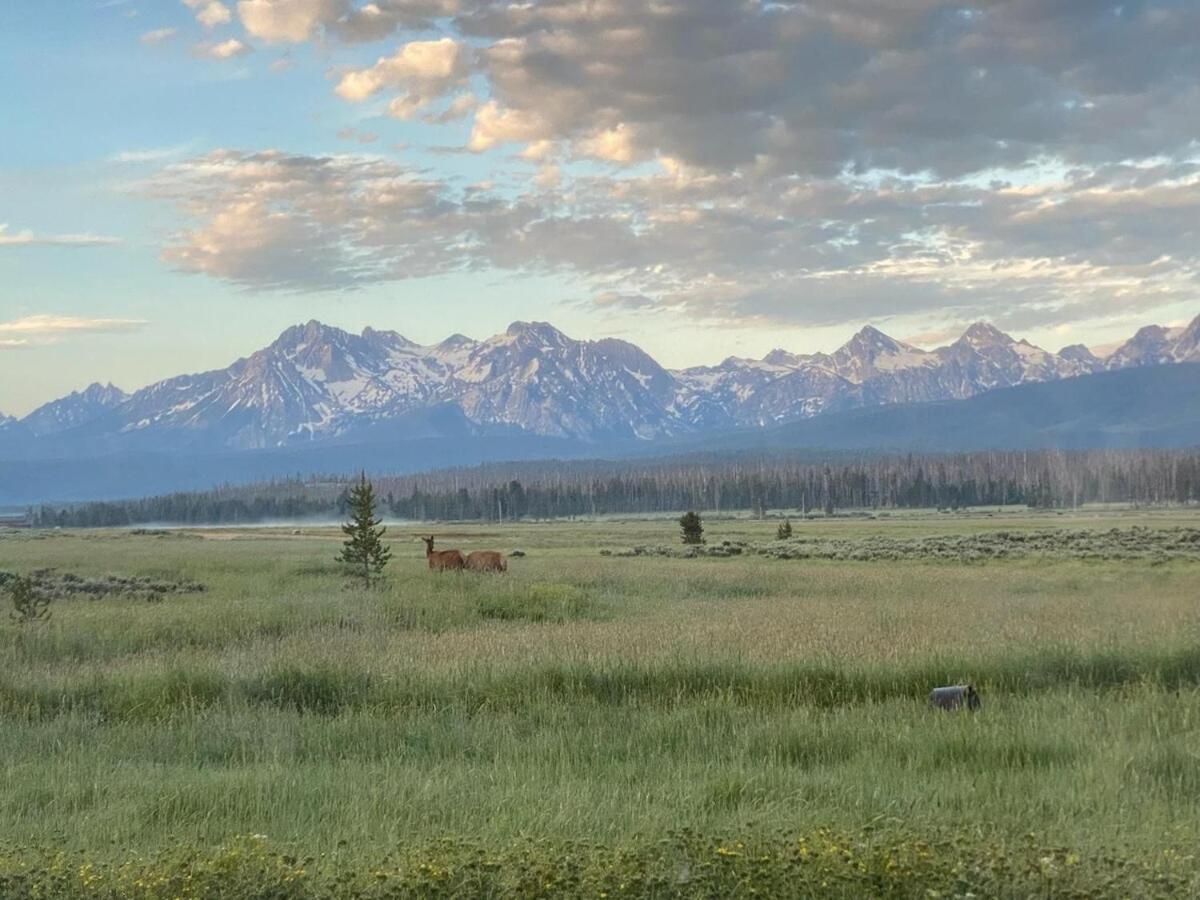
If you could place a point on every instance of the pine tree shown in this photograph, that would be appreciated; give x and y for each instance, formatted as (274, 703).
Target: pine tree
(364, 553)
(691, 528)
(784, 531)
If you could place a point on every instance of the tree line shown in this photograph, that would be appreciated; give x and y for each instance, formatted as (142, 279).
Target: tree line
(760, 482)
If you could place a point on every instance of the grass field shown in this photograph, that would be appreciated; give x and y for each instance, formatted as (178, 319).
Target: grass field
(594, 724)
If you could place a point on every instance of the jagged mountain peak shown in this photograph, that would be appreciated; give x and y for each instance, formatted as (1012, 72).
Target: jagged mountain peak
(871, 353)
(1187, 345)
(390, 339)
(308, 333)
(77, 408)
(781, 357)
(1151, 345)
(981, 333)
(1079, 353)
(541, 332)
(871, 338)
(107, 394)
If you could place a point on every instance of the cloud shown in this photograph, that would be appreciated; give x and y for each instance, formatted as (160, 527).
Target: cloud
(821, 87)
(158, 36)
(287, 21)
(230, 49)
(297, 21)
(42, 330)
(813, 88)
(149, 155)
(210, 13)
(495, 125)
(275, 221)
(778, 162)
(810, 88)
(615, 300)
(422, 71)
(29, 239)
(353, 134)
(752, 248)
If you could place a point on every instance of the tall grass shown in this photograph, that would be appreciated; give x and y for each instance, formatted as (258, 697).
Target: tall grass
(590, 699)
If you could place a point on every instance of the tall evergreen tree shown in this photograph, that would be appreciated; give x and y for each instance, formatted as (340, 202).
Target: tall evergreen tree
(364, 553)
(691, 529)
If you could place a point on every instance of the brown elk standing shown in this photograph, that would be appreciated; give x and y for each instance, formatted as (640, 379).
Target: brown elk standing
(486, 561)
(443, 560)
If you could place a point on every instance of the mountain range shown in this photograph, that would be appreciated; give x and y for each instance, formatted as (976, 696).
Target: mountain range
(322, 400)
(319, 383)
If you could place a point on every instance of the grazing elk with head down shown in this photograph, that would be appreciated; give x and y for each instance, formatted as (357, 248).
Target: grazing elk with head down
(486, 561)
(443, 560)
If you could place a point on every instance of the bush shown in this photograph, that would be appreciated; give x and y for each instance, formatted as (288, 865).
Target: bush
(29, 604)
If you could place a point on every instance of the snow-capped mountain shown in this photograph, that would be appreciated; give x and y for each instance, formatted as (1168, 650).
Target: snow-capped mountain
(1155, 345)
(535, 378)
(316, 383)
(77, 408)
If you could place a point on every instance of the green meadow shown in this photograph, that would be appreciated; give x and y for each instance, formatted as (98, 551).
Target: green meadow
(229, 716)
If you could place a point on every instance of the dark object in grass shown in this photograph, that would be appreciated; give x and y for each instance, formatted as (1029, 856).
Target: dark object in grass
(29, 604)
(517, 554)
(955, 697)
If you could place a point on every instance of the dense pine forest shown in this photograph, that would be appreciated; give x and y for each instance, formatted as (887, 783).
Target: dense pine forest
(760, 483)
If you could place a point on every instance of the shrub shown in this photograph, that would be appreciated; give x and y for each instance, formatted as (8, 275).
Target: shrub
(29, 604)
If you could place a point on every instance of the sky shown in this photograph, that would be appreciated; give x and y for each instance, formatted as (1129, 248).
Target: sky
(180, 180)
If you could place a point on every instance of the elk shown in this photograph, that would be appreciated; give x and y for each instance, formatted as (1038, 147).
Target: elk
(443, 560)
(486, 561)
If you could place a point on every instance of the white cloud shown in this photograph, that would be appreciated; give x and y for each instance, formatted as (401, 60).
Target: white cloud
(40, 330)
(297, 21)
(210, 13)
(150, 154)
(287, 21)
(158, 36)
(614, 145)
(495, 125)
(230, 49)
(274, 221)
(422, 71)
(28, 238)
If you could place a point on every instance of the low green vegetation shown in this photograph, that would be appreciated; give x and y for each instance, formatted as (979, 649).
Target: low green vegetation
(593, 725)
(1135, 543)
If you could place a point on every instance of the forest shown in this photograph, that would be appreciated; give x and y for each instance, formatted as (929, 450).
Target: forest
(790, 482)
